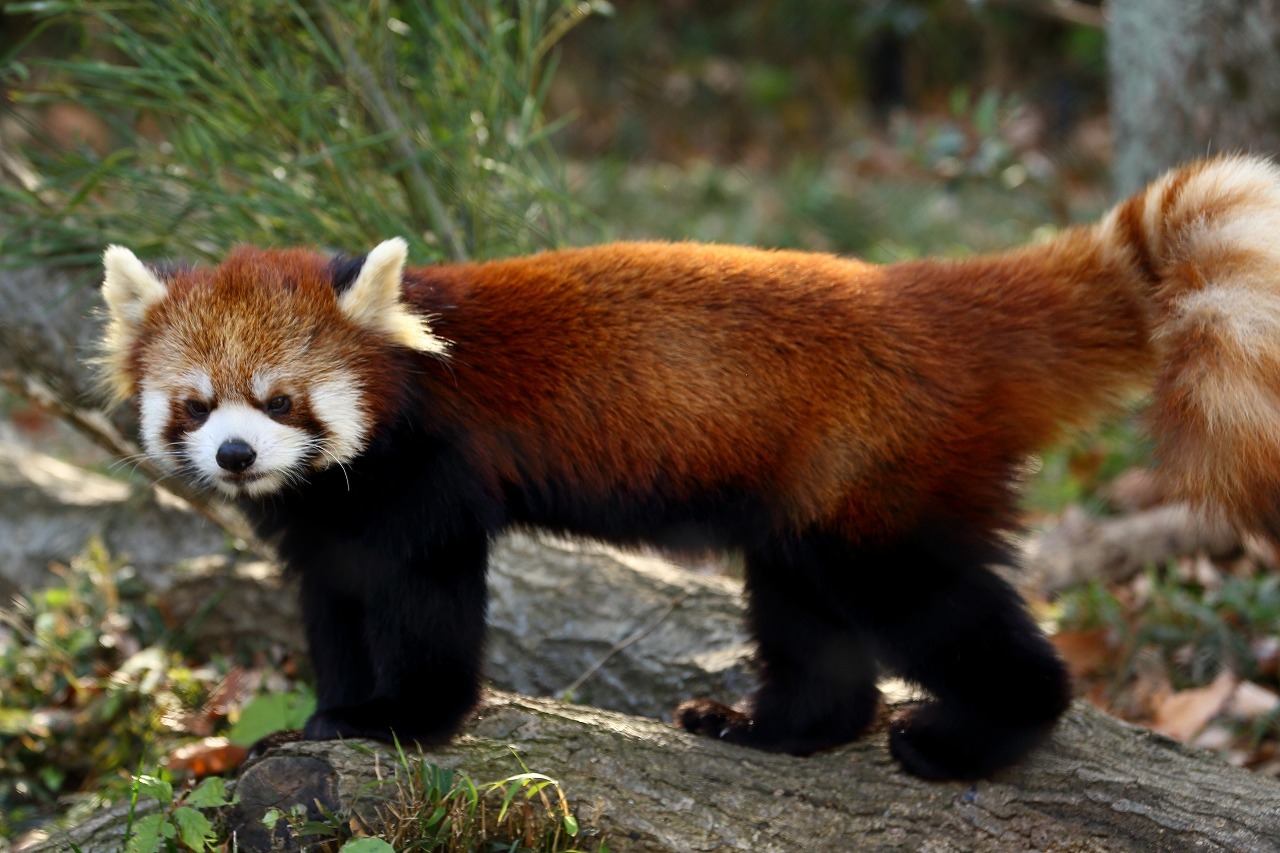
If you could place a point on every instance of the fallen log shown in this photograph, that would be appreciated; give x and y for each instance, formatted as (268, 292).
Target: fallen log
(641, 785)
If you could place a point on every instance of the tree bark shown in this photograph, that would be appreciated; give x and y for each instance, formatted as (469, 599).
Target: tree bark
(49, 319)
(643, 786)
(1190, 78)
(627, 632)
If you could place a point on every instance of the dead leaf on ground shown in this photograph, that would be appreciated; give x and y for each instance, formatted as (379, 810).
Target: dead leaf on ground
(212, 756)
(1182, 715)
(1086, 652)
(1251, 701)
(235, 688)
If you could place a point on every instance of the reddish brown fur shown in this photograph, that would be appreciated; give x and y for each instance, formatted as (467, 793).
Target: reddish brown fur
(859, 396)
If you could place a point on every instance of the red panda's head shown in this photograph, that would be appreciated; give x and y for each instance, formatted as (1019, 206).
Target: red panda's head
(251, 373)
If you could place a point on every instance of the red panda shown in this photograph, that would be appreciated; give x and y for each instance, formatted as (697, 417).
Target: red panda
(854, 430)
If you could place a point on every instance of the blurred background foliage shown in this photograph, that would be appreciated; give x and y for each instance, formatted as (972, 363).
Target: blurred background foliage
(185, 127)
(851, 126)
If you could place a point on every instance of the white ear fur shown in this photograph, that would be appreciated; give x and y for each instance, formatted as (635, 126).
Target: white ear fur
(128, 287)
(373, 301)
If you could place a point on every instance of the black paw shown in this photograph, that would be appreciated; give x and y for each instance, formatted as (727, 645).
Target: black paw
(772, 732)
(334, 725)
(712, 719)
(939, 743)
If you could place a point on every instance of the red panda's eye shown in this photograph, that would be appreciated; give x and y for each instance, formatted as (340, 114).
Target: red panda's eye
(198, 409)
(278, 406)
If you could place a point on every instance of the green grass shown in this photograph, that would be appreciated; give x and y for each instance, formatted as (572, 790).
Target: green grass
(332, 122)
(432, 809)
(807, 205)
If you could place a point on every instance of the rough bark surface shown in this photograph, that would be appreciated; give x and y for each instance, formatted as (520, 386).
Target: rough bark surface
(1190, 78)
(615, 630)
(1097, 785)
(48, 319)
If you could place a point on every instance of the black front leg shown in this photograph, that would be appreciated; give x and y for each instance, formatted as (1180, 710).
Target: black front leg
(396, 642)
(334, 618)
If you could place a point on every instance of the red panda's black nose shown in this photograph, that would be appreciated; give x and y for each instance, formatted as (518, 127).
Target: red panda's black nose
(235, 456)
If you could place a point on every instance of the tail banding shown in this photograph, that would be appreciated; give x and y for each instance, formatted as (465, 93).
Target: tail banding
(1206, 238)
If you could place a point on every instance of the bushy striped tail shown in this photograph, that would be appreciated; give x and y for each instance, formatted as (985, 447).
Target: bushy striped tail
(1206, 238)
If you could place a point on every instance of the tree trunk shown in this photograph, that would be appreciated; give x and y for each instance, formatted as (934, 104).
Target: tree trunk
(49, 321)
(1190, 78)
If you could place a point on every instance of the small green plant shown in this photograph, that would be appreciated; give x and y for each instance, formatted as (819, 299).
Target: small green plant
(87, 674)
(272, 712)
(94, 684)
(1190, 631)
(180, 820)
(434, 809)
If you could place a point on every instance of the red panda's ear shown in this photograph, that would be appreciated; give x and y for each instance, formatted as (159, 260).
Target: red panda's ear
(128, 287)
(373, 301)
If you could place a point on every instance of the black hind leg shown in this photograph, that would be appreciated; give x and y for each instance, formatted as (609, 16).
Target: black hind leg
(817, 676)
(942, 619)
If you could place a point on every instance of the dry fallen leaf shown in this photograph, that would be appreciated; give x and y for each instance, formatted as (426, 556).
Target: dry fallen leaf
(1251, 701)
(1086, 652)
(212, 756)
(1182, 715)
